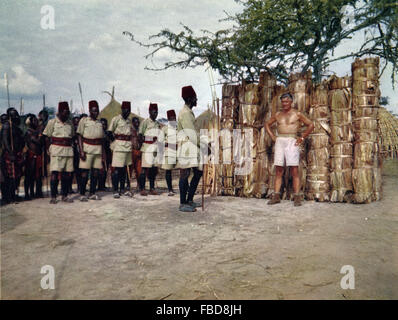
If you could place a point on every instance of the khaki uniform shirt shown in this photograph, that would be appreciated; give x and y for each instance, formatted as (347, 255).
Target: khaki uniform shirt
(169, 136)
(57, 128)
(149, 128)
(91, 129)
(188, 135)
(119, 125)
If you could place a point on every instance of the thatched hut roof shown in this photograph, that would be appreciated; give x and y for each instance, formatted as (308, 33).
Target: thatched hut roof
(203, 120)
(112, 109)
(389, 133)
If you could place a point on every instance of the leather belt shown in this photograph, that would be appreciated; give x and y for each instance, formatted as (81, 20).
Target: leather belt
(123, 137)
(64, 142)
(93, 142)
(171, 146)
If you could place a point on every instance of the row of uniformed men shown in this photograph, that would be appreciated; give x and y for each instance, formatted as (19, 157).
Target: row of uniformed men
(125, 140)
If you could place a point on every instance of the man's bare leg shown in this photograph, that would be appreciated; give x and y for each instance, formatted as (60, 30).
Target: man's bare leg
(277, 185)
(296, 185)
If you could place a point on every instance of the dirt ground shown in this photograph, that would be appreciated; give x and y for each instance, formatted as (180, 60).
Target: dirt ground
(143, 248)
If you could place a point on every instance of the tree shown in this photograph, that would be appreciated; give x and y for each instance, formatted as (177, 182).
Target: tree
(284, 36)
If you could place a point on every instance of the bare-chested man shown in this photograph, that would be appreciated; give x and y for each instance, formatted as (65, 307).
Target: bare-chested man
(287, 150)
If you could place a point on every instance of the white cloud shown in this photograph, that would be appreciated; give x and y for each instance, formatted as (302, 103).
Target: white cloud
(23, 82)
(104, 41)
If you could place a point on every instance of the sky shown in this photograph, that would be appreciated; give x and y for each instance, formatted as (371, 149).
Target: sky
(87, 46)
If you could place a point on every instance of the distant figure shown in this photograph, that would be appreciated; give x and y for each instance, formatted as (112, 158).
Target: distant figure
(13, 144)
(34, 167)
(59, 132)
(149, 131)
(287, 145)
(107, 156)
(136, 152)
(75, 145)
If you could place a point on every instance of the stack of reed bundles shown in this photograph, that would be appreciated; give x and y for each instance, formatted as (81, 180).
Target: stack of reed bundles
(318, 187)
(300, 86)
(250, 121)
(264, 142)
(341, 138)
(229, 118)
(210, 121)
(366, 174)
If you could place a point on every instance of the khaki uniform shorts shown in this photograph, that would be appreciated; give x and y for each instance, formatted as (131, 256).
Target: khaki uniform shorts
(121, 159)
(61, 164)
(92, 161)
(149, 160)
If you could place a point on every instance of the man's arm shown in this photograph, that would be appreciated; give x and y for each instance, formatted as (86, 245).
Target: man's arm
(308, 123)
(79, 132)
(268, 124)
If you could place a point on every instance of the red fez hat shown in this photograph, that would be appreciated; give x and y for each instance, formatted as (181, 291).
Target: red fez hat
(63, 105)
(188, 92)
(92, 104)
(171, 114)
(153, 106)
(126, 105)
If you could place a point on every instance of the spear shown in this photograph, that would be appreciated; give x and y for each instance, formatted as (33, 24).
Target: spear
(21, 110)
(81, 96)
(8, 92)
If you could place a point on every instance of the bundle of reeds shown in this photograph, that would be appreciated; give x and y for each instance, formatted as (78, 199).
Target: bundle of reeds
(318, 187)
(211, 168)
(229, 116)
(366, 173)
(388, 125)
(250, 123)
(341, 138)
(264, 141)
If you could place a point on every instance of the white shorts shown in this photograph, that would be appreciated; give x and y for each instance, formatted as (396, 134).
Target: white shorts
(285, 150)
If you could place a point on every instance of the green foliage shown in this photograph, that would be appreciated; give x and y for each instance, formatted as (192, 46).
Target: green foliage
(284, 36)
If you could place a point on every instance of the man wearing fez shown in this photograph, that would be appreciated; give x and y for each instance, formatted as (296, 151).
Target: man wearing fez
(169, 157)
(90, 135)
(59, 132)
(34, 159)
(149, 131)
(13, 143)
(120, 127)
(287, 145)
(188, 151)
